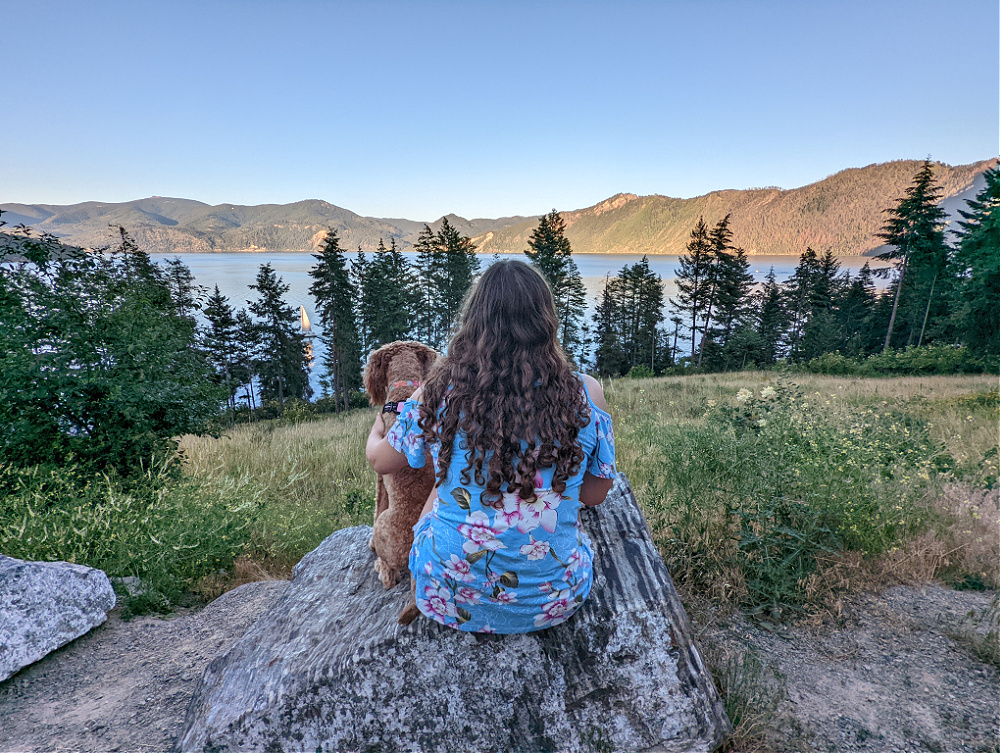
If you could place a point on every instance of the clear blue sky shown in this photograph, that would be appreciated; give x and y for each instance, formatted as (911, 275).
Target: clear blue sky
(417, 109)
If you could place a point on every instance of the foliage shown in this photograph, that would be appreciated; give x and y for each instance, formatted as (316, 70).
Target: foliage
(551, 253)
(977, 262)
(99, 363)
(627, 319)
(768, 483)
(928, 359)
(390, 287)
(169, 533)
(335, 296)
(446, 265)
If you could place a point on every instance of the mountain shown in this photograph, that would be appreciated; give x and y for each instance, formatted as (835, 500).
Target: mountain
(842, 212)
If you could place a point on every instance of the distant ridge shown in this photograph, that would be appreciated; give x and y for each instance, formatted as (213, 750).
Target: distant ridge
(842, 212)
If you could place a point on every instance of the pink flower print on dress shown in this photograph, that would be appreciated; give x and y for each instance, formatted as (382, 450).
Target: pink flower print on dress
(479, 534)
(508, 512)
(541, 511)
(504, 597)
(492, 578)
(428, 567)
(466, 595)
(536, 550)
(557, 610)
(459, 570)
(437, 603)
(486, 628)
(545, 587)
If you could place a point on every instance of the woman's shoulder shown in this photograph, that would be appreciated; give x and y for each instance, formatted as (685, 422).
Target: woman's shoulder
(595, 391)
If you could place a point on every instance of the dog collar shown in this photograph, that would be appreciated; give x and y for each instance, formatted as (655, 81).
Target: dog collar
(393, 407)
(404, 383)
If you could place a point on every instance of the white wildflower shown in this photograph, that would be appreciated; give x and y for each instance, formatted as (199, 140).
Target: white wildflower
(768, 392)
(743, 395)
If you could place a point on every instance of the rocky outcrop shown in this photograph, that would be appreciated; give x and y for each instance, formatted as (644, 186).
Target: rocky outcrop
(45, 605)
(328, 668)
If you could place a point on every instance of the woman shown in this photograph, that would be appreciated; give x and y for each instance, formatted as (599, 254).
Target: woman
(519, 441)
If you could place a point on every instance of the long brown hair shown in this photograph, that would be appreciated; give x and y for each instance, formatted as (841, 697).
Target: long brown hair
(506, 379)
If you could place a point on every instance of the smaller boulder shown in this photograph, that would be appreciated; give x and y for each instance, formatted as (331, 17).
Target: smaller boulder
(45, 605)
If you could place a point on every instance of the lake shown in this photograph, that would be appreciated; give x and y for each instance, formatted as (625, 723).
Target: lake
(234, 272)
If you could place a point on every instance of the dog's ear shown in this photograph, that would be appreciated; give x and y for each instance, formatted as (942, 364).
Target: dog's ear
(427, 357)
(377, 374)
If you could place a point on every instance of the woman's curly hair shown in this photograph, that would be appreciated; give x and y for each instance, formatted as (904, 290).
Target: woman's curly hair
(506, 379)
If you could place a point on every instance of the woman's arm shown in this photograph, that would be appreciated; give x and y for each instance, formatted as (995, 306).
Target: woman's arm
(382, 456)
(594, 489)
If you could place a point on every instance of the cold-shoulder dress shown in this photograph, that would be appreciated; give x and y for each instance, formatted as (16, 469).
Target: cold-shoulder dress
(510, 567)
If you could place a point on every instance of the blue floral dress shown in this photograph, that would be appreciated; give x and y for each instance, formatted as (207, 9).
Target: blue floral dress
(510, 567)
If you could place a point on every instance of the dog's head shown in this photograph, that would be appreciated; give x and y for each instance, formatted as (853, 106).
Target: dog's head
(402, 360)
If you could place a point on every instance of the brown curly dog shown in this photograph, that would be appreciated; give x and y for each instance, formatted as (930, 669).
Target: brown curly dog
(394, 372)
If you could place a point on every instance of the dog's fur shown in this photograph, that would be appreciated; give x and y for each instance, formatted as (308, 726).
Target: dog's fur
(401, 496)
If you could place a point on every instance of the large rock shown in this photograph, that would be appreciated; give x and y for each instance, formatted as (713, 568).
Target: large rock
(329, 669)
(45, 605)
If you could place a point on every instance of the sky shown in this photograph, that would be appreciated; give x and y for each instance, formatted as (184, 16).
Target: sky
(482, 109)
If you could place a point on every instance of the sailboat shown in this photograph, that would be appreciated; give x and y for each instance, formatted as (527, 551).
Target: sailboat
(306, 329)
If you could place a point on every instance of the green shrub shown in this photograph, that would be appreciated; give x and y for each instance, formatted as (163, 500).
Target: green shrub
(772, 481)
(640, 371)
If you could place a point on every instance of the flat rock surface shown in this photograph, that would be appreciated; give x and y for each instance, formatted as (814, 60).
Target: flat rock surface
(125, 685)
(45, 605)
(329, 668)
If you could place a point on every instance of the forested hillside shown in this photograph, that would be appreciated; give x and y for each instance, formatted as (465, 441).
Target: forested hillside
(842, 212)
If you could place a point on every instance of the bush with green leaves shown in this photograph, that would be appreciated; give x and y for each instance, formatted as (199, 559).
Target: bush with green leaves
(99, 365)
(772, 481)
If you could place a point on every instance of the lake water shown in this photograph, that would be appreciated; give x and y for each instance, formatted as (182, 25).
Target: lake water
(234, 272)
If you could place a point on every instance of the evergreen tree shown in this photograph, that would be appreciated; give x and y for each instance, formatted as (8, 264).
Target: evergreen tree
(184, 294)
(821, 332)
(771, 320)
(915, 232)
(220, 343)
(366, 301)
(393, 285)
(626, 321)
(693, 279)
(335, 294)
(430, 271)
(798, 298)
(610, 358)
(978, 262)
(856, 313)
(551, 253)
(248, 355)
(282, 364)
(459, 267)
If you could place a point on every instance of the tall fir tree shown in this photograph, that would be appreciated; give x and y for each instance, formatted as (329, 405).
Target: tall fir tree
(393, 285)
(626, 322)
(771, 320)
(219, 341)
(282, 363)
(977, 259)
(248, 355)
(915, 233)
(366, 302)
(856, 313)
(693, 279)
(551, 253)
(335, 295)
(430, 270)
(459, 267)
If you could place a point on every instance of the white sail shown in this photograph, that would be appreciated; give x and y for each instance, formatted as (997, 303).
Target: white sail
(304, 320)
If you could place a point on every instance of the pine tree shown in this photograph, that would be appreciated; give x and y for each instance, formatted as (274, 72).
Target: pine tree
(693, 279)
(550, 252)
(457, 272)
(798, 298)
(219, 340)
(978, 261)
(771, 320)
(393, 285)
(916, 233)
(366, 300)
(626, 321)
(430, 268)
(335, 294)
(184, 294)
(282, 364)
(248, 355)
(610, 358)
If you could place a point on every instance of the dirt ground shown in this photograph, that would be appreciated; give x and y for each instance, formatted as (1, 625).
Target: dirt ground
(902, 673)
